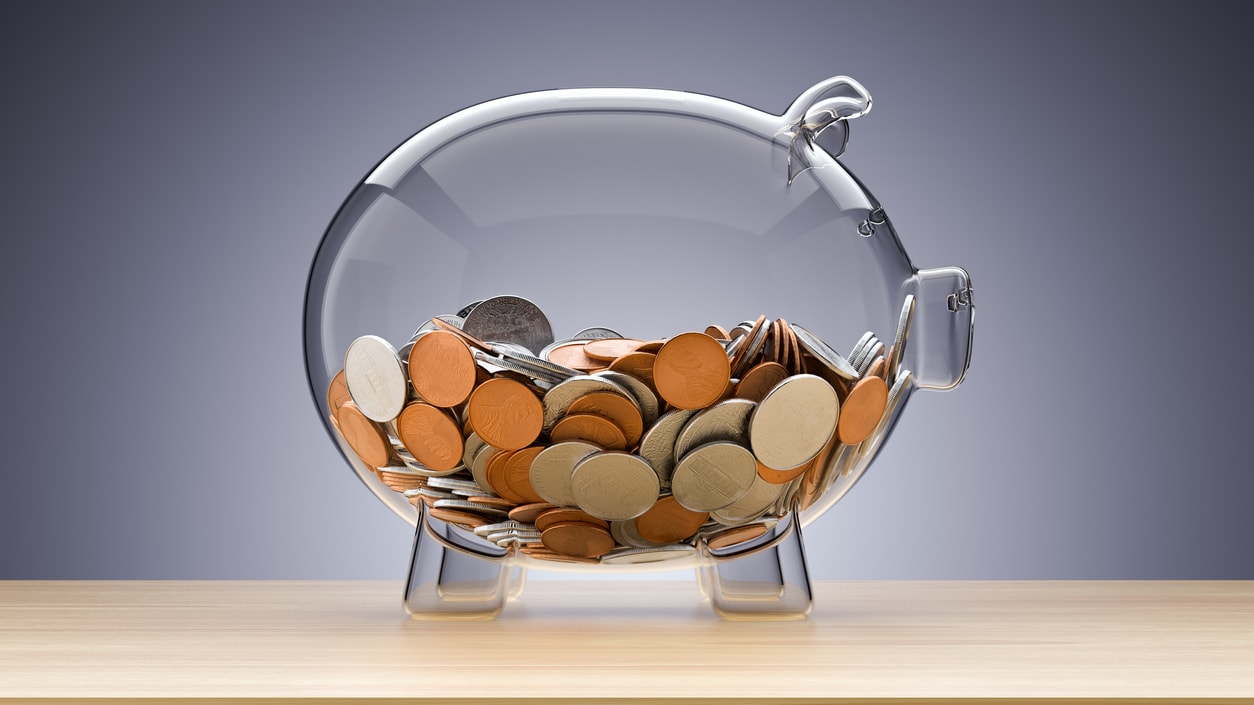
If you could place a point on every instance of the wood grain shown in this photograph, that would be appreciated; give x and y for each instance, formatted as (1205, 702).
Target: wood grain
(595, 641)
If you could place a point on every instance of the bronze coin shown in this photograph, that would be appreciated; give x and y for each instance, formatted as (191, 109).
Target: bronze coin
(623, 413)
(364, 436)
(774, 347)
(337, 392)
(517, 474)
(717, 332)
(494, 502)
(527, 513)
(691, 371)
(637, 364)
(401, 482)
(466, 338)
(455, 517)
(877, 368)
(735, 535)
(442, 369)
(862, 410)
(431, 435)
(759, 380)
(609, 349)
(575, 538)
(785, 345)
(667, 522)
(589, 428)
(506, 414)
(561, 514)
(571, 355)
(651, 347)
(779, 477)
(495, 476)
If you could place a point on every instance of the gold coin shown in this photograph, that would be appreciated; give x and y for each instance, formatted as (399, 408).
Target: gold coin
(589, 428)
(442, 369)
(862, 410)
(621, 411)
(571, 355)
(691, 371)
(563, 514)
(575, 538)
(506, 414)
(667, 521)
(364, 436)
(610, 349)
(431, 435)
(637, 364)
(527, 513)
(337, 392)
(517, 474)
(759, 380)
(735, 535)
(455, 517)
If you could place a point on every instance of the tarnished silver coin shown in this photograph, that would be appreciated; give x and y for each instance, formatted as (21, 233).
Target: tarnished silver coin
(552, 468)
(658, 443)
(646, 400)
(626, 533)
(558, 399)
(713, 476)
(465, 310)
(793, 422)
(760, 497)
(627, 556)
(614, 486)
(510, 319)
(824, 353)
(596, 333)
(899, 340)
(728, 420)
(376, 380)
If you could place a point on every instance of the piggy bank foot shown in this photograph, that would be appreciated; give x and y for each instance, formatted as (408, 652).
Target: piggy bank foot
(766, 580)
(449, 584)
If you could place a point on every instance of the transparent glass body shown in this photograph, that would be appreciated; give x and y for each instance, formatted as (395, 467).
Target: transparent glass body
(650, 212)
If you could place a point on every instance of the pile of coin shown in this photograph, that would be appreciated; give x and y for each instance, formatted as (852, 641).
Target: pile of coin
(607, 449)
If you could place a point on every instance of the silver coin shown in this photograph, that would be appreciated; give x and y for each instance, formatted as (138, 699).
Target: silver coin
(793, 422)
(747, 360)
(658, 443)
(506, 525)
(760, 497)
(552, 467)
(472, 493)
(435, 494)
(866, 345)
(626, 533)
(713, 476)
(862, 342)
(727, 420)
(500, 537)
(558, 399)
(646, 400)
(899, 340)
(596, 333)
(456, 321)
(479, 466)
(474, 443)
(614, 486)
(510, 319)
(463, 505)
(415, 467)
(670, 552)
(465, 310)
(544, 352)
(508, 351)
(451, 483)
(504, 363)
(897, 396)
(375, 378)
(869, 354)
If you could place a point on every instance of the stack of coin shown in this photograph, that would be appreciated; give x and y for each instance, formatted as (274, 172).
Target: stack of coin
(603, 448)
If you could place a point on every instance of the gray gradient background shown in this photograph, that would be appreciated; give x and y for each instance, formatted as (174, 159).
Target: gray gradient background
(168, 170)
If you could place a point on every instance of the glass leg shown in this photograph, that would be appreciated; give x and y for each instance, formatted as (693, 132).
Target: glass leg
(763, 584)
(446, 584)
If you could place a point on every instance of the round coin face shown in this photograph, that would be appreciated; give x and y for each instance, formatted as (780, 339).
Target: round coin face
(667, 521)
(505, 414)
(610, 349)
(551, 469)
(442, 368)
(364, 436)
(375, 378)
(691, 371)
(713, 476)
(793, 422)
(623, 412)
(862, 410)
(432, 435)
(725, 421)
(337, 392)
(589, 428)
(614, 486)
(760, 496)
(558, 399)
(571, 355)
(658, 444)
(759, 380)
(510, 319)
(574, 538)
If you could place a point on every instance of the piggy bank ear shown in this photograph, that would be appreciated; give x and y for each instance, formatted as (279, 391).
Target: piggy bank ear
(818, 119)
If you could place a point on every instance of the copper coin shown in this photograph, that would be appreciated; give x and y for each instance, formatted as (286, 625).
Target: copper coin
(736, 535)
(455, 517)
(497, 502)
(517, 474)
(774, 346)
(563, 514)
(466, 338)
(691, 371)
(754, 340)
(608, 349)
(717, 332)
(575, 538)
(862, 410)
(571, 355)
(759, 380)
(879, 367)
(779, 477)
(442, 368)
(624, 413)
(668, 522)
(651, 347)
(506, 414)
(337, 392)
(527, 513)
(400, 482)
(589, 428)
(637, 364)
(495, 476)
(364, 436)
(431, 435)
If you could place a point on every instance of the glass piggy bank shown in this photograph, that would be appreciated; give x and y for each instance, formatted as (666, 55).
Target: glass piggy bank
(608, 330)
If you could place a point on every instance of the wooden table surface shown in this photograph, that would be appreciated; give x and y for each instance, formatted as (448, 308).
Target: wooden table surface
(655, 641)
